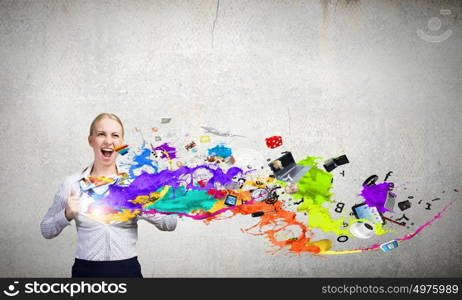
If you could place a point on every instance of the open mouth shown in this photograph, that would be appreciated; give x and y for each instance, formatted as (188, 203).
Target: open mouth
(107, 152)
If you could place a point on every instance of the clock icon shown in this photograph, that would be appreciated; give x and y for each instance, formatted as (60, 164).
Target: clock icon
(259, 194)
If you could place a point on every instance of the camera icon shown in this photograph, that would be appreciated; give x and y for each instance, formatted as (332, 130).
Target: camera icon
(11, 290)
(434, 24)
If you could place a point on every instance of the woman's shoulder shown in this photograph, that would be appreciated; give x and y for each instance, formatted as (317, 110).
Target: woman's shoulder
(73, 178)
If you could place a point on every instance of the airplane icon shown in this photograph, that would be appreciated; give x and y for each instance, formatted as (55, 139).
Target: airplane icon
(216, 132)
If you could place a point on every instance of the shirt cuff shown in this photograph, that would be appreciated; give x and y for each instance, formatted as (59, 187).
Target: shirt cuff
(61, 220)
(170, 222)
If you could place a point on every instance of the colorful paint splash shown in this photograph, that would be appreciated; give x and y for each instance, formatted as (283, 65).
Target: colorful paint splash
(199, 192)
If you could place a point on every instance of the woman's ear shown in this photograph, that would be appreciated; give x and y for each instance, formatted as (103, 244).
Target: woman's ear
(90, 140)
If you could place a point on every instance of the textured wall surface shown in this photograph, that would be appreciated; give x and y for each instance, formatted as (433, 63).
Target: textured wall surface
(354, 77)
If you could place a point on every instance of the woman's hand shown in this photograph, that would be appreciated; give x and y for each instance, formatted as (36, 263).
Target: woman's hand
(72, 206)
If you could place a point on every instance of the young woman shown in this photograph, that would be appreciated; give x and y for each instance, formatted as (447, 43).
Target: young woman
(103, 250)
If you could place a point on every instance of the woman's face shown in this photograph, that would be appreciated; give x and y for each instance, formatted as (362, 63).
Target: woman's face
(106, 136)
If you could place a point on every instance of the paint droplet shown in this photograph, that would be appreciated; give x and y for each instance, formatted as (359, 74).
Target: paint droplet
(410, 197)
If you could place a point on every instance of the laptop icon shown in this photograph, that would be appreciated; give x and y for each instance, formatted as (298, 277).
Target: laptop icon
(285, 169)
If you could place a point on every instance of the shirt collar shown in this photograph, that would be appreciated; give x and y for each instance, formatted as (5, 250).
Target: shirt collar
(100, 185)
(86, 172)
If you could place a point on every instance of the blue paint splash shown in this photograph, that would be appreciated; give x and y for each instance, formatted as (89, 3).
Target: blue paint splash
(220, 150)
(142, 159)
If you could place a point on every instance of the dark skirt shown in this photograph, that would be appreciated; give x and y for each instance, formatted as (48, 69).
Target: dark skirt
(114, 268)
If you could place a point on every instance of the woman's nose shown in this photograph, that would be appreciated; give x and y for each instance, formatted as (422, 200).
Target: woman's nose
(108, 140)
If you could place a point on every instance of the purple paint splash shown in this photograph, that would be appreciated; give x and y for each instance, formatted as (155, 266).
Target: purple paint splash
(147, 183)
(376, 195)
(166, 148)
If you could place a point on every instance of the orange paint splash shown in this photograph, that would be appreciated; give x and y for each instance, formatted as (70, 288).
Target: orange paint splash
(278, 219)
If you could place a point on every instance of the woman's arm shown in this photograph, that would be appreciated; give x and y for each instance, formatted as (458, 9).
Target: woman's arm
(162, 222)
(55, 220)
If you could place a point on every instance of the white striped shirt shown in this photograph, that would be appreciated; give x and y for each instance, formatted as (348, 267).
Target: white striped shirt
(95, 240)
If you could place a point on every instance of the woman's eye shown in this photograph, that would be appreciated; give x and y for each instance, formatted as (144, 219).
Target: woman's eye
(100, 133)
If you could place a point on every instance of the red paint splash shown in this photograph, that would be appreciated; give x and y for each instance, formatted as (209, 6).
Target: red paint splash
(217, 194)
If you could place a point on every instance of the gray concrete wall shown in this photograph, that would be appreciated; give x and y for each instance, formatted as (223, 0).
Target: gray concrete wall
(329, 76)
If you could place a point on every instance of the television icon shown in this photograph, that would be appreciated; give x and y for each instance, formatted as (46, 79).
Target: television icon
(231, 200)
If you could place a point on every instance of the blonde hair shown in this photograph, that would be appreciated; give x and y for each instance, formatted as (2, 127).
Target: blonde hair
(105, 115)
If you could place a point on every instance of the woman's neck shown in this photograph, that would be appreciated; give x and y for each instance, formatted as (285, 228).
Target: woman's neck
(99, 171)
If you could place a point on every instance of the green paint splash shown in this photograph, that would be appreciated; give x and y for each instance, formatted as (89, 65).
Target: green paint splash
(314, 187)
(319, 217)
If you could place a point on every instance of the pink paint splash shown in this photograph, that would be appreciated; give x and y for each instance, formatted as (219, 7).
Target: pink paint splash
(411, 235)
